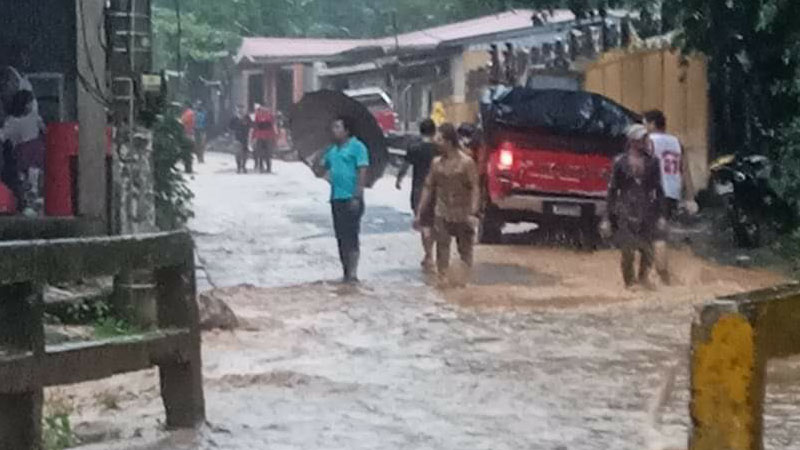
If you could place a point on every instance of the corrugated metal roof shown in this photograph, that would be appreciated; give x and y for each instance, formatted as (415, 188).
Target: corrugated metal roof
(516, 19)
(299, 48)
(254, 49)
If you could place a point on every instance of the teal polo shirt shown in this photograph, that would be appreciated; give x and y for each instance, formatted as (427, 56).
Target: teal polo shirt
(343, 164)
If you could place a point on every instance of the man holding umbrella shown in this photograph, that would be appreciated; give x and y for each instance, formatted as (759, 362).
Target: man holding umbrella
(344, 164)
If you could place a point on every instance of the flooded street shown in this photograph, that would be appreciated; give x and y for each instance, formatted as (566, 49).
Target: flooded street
(545, 350)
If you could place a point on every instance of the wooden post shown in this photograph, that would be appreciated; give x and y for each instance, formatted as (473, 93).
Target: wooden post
(181, 379)
(21, 331)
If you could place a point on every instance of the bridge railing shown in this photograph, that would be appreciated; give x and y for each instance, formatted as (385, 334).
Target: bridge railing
(28, 365)
(732, 341)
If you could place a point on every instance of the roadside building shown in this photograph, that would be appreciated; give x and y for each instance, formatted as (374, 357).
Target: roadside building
(417, 69)
(453, 64)
(86, 62)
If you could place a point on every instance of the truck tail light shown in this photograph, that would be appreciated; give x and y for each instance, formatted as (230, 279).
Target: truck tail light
(506, 160)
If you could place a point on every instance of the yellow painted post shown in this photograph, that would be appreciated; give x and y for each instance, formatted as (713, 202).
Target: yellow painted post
(728, 370)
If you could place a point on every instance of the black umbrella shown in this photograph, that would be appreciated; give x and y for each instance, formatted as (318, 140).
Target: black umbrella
(310, 124)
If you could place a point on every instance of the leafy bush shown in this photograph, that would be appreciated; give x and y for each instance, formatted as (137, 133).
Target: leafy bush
(786, 154)
(170, 148)
(110, 327)
(57, 433)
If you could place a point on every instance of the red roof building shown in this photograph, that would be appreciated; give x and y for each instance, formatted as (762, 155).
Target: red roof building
(443, 63)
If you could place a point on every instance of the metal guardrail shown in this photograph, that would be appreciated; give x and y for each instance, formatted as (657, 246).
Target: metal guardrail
(732, 341)
(27, 365)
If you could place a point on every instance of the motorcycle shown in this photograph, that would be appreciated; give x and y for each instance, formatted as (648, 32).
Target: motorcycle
(753, 208)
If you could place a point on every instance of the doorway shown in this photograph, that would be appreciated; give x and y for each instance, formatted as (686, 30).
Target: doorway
(285, 90)
(255, 90)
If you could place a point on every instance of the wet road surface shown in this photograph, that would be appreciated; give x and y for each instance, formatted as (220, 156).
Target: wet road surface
(544, 351)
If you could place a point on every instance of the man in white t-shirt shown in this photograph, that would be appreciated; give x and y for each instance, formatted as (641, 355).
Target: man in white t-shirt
(676, 180)
(675, 177)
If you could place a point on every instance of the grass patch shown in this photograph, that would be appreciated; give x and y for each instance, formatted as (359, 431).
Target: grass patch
(57, 433)
(109, 327)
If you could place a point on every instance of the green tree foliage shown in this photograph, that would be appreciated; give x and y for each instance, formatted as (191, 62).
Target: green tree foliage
(211, 26)
(173, 196)
(753, 53)
(200, 39)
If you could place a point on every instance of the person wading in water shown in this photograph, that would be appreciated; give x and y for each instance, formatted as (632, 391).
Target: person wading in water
(452, 186)
(240, 126)
(676, 181)
(420, 157)
(635, 199)
(344, 165)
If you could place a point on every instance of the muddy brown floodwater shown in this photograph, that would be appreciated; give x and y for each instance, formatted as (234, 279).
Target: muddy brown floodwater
(544, 350)
(559, 357)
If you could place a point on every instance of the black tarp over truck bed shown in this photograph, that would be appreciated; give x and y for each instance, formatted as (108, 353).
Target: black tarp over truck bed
(557, 111)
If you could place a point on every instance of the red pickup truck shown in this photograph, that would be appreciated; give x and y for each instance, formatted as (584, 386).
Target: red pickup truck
(547, 159)
(379, 104)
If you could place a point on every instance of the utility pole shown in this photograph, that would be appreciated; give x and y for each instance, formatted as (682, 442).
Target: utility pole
(178, 61)
(395, 65)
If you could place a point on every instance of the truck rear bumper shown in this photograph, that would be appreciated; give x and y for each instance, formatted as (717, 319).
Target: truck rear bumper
(552, 205)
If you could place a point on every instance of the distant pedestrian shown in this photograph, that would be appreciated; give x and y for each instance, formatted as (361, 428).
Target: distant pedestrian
(675, 180)
(452, 185)
(240, 126)
(635, 199)
(420, 157)
(200, 129)
(438, 115)
(24, 130)
(264, 139)
(188, 123)
(344, 165)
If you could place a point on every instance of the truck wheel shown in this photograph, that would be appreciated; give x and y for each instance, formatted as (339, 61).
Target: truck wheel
(490, 229)
(589, 235)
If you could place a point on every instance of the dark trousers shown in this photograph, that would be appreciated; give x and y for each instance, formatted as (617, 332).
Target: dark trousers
(347, 225)
(241, 158)
(444, 232)
(646, 257)
(263, 155)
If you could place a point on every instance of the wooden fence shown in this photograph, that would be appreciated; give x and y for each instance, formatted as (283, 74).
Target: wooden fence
(661, 79)
(27, 365)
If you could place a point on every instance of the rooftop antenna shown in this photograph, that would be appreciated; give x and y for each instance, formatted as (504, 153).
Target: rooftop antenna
(396, 32)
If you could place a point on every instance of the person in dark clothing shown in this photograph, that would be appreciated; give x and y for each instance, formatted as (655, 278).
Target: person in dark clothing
(470, 139)
(240, 126)
(9, 174)
(420, 157)
(635, 199)
(344, 165)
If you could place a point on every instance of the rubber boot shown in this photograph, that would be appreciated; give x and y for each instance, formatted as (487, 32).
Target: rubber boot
(351, 267)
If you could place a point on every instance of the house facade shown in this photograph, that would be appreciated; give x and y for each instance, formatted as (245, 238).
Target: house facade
(448, 64)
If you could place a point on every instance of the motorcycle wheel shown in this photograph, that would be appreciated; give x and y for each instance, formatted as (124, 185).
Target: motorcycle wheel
(746, 231)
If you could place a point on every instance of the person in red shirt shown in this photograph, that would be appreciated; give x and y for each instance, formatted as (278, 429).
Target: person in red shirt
(188, 122)
(264, 135)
